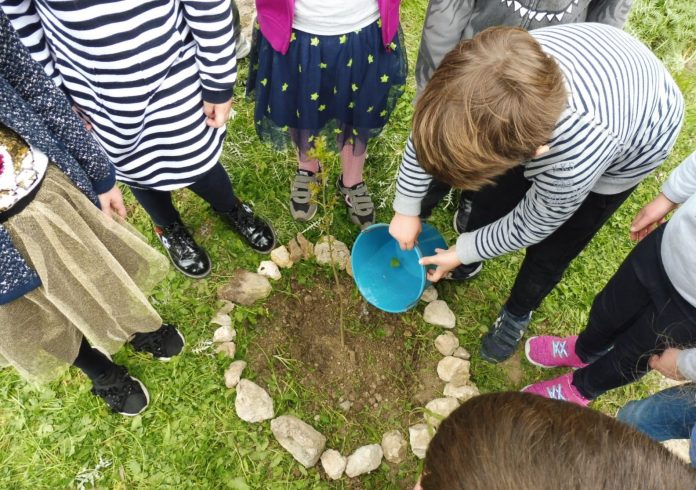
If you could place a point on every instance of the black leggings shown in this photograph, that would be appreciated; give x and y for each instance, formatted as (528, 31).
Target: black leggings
(214, 187)
(90, 361)
(637, 314)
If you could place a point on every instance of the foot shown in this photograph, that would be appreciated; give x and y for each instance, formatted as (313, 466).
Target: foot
(560, 388)
(303, 205)
(504, 335)
(359, 203)
(123, 393)
(549, 352)
(465, 272)
(257, 233)
(461, 215)
(184, 252)
(164, 343)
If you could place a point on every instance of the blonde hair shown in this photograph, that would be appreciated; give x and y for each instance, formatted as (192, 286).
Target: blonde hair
(491, 103)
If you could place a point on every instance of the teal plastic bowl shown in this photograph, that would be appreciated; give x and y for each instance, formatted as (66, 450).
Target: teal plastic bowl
(387, 277)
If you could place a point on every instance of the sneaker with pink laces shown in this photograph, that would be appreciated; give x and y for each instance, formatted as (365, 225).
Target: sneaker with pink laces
(549, 352)
(560, 388)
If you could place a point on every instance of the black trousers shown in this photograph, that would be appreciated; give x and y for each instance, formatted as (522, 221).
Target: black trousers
(545, 262)
(637, 314)
(91, 362)
(214, 187)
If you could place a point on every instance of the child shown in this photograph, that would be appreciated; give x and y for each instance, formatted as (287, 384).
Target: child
(647, 306)
(447, 23)
(327, 68)
(68, 273)
(565, 121)
(513, 440)
(671, 413)
(154, 80)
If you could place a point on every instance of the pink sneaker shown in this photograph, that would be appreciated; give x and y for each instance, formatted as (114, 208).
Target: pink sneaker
(549, 352)
(560, 388)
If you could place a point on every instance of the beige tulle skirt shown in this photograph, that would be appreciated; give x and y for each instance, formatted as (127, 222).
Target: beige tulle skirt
(95, 273)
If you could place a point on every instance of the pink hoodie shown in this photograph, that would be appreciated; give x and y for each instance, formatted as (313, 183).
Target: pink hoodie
(275, 20)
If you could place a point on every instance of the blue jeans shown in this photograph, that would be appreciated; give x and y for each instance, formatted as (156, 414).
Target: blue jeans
(668, 414)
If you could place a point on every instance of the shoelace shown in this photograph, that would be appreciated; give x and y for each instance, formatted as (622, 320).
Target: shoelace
(118, 386)
(559, 348)
(555, 392)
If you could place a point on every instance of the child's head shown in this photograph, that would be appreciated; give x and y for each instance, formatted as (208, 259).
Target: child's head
(519, 440)
(493, 101)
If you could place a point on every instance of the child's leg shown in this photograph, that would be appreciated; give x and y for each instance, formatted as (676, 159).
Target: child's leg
(305, 162)
(668, 414)
(158, 204)
(361, 209)
(92, 362)
(215, 188)
(352, 166)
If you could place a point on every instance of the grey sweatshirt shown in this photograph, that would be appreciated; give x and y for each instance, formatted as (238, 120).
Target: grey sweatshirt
(679, 241)
(449, 21)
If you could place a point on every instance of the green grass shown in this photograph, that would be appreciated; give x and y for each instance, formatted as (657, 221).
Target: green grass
(190, 436)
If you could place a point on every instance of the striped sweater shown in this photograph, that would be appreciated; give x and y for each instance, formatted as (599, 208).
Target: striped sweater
(139, 70)
(622, 118)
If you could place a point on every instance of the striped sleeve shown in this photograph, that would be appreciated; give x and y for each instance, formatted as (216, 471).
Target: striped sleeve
(25, 20)
(212, 25)
(412, 183)
(561, 180)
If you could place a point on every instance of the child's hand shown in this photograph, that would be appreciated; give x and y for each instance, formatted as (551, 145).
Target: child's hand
(445, 260)
(112, 201)
(217, 114)
(405, 230)
(650, 217)
(667, 363)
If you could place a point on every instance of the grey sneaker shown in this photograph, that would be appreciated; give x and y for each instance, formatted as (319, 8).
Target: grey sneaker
(461, 215)
(302, 203)
(504, 335)
(359, 203)
(243, 47)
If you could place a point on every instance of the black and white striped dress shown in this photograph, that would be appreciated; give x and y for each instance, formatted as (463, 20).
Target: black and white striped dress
(139, 70)
(623, 117)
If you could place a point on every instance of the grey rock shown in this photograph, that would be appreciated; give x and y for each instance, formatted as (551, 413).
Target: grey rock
(438, 313)
(394, 446)
(461, 393)
(429, 295)
(462, 353)
(333, 463)
(222, 319)
(364, 460)
(446, 343)
(306, 246)
(295, 251)
(224, 334)
(234, 373)
(453, 370)
(227, 348)
(337, 253)
(252, 404)
(245, 288)
(419, 436)
(269, 269)
(281, 257)
(438, 409)
(300, 439)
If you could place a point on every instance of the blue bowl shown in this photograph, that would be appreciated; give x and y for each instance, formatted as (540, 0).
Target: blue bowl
(389, 278)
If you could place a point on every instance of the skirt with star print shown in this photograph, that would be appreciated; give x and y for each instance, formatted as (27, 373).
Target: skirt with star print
(341, 87)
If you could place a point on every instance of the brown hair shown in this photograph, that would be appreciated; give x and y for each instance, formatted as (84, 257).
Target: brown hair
(519, 440)
(490, 104)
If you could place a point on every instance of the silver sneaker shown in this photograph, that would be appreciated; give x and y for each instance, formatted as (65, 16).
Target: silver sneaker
(359, 203)
(303, 204)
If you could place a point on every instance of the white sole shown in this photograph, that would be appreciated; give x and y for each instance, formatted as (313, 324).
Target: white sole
(147, 400)
(527, 348)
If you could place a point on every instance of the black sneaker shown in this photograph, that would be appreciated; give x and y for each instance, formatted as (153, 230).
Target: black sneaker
(464, 272)
(164, 343)
(184, 252)
(123, 393)
(503, 337)
(258, 234)
(358, 202)
(461, 215)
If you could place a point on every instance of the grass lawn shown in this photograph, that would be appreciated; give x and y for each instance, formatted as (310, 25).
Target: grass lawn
(190, 436)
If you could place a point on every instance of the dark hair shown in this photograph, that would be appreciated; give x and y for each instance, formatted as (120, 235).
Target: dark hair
(523, 441)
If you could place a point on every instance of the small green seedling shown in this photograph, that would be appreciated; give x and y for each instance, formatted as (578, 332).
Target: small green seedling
(395, 262)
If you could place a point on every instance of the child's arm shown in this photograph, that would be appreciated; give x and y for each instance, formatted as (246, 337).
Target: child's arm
(611, 12)
(675, 364)
(212, 26)
(444, 25)
(680, 186)
(686, 364)
(25, 20)
(33, 85)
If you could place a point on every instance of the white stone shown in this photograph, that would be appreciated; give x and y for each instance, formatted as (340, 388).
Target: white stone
(222, 319)
(419, 437)
(252, 403)
(462, 353)
(224, 334)
(446, 343)
(269, 269)
(281, 257)
(394, 446)
(461, 393)
(333, 463)
(453, 370)
(245, 288)
(345, 405)
(678, 447)
(438, 313)
(227, 348)
(364, 460)
(337, 254)
(227, 306)
(438, 409)
(234, 373)
(298, 438)
(429, 295)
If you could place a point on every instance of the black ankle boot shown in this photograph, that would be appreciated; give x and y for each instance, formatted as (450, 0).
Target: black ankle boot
(258, 234)
(183, 250)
